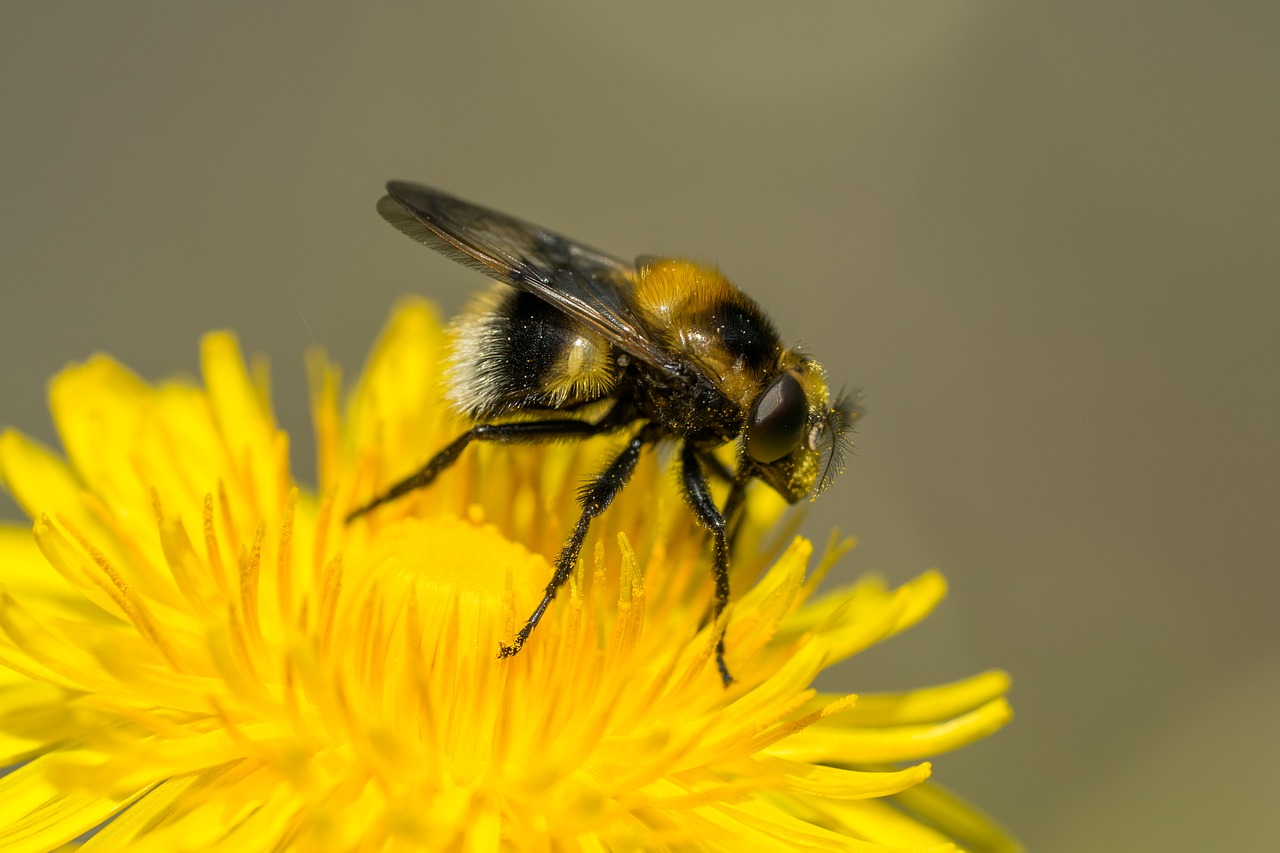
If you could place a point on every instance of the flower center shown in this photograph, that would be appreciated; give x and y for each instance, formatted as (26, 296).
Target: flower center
(448, 556)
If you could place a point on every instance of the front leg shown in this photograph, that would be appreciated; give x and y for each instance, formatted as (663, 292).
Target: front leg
(734, 511)
(734, 504)
(704, 508)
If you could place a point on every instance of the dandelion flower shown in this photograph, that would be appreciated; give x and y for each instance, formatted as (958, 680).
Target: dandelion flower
(198, 654)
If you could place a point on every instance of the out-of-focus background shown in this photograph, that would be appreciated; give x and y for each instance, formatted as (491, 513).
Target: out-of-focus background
(1044, 241)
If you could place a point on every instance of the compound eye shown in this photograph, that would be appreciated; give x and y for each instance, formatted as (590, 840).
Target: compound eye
(777, 420)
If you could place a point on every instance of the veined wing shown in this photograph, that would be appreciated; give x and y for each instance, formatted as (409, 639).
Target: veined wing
(583, 282)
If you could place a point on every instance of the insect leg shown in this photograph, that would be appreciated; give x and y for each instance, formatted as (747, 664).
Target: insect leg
(733, 506)
(734, 511)
(594, 498)
(695, 489)
(511, 433)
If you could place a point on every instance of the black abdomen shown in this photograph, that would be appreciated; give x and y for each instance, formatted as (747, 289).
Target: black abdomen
(514, 351)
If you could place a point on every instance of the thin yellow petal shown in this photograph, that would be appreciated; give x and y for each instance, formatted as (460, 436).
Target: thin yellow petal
(923, 705)
(37, 478)
(856, 618)
(256, 450)
(977, 831)
(32, 714)
(843, 784)
(827, 742)
(879, 825)
(27, 576)
(36, 816)
(397, 399)
(96, 405)
(153, 808)
(325, 380)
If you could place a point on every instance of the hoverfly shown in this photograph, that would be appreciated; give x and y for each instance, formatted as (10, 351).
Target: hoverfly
(666, 349)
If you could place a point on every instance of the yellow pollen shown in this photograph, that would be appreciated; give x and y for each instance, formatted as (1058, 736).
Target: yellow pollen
(451, 555)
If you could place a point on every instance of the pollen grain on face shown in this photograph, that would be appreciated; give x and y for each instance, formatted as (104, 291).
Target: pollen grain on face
(197, 646)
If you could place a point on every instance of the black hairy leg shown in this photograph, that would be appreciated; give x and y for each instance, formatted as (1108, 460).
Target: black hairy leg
(733, 512)
(704, 508)
(519, 432)
(594, 499)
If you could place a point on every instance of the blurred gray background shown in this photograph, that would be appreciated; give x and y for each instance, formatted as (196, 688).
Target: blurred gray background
(1042, 240)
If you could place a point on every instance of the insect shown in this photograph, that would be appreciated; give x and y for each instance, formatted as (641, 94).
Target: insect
(571, 343)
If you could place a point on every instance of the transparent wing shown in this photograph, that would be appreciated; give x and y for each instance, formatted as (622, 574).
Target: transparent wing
(581, 281)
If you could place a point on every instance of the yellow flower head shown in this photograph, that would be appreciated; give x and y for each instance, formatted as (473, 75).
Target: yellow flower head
(194, 645)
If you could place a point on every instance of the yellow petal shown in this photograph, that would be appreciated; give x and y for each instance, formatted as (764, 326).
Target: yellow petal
(99, 409)
(256, 452)
(923, 705)
(843, 784)
(397, 400)
(32, 713)
(973, 828)
(37, 478)
(27, 576)
(855, 618)
(879, 825)
(828, 742)
(36, 816)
